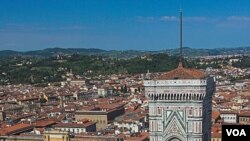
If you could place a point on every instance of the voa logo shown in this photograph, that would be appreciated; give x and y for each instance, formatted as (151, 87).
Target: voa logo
(236, 132)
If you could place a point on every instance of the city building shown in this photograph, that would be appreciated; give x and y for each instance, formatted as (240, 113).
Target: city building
(102, 115)
(76, 128)
(77, 83)
(216, 132)
(2, 115)
(143, 136)
(28, 137)
(102, 92)
(133, 122)
(244, 117)
(95, 137)
(55, 135)
(229, 116)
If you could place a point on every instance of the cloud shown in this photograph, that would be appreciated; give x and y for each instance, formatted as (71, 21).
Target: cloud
(187, 19)
(239, 18)
(169, 18)
(234, 22)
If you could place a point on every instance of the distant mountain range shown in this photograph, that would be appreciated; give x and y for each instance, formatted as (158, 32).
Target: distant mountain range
(187, 51)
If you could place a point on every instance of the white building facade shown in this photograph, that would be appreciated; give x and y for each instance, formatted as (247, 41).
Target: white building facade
(229, 117)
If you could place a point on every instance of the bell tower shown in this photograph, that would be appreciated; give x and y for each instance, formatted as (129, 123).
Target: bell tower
(180, 103)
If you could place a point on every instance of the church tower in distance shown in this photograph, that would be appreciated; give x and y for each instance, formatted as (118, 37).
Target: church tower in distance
(180, 103)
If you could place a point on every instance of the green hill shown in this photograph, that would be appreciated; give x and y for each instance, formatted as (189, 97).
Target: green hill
(187, 51)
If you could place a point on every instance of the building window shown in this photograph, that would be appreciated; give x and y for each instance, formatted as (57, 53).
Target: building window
(197, 127)
(190, 112)
(159, 111)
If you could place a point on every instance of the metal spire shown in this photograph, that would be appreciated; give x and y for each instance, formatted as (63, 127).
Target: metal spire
(180, 55)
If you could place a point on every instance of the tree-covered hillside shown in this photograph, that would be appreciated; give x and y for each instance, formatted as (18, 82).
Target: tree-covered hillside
(187, 51)
(21, 69)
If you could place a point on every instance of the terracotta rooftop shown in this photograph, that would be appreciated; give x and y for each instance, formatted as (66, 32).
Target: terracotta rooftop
(74, 125)
(216, 131)
(244, 114)
(215, 114)
(182, 73)
(18, 128)
(43, 123)
(141, 137)
(229, 112)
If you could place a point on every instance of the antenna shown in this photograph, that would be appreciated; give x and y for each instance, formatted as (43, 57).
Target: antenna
(180, 55)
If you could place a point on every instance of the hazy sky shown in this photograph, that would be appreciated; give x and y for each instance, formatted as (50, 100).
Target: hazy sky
(123, 24)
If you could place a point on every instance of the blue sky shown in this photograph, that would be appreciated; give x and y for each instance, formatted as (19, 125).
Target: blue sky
(123, 24)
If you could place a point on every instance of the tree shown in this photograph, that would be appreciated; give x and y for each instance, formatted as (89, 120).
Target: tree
(43, 100)
(122, 89)
(125, 89)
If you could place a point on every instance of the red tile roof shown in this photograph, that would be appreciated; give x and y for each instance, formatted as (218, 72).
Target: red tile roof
(141, 137)
(216, 131)
(74, 125)
(43, 123)
(215, 114)
(15, 129)
(182, 73)
(244, 114)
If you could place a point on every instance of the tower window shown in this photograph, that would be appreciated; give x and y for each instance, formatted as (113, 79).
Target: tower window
(190, 111)
(159, 111)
